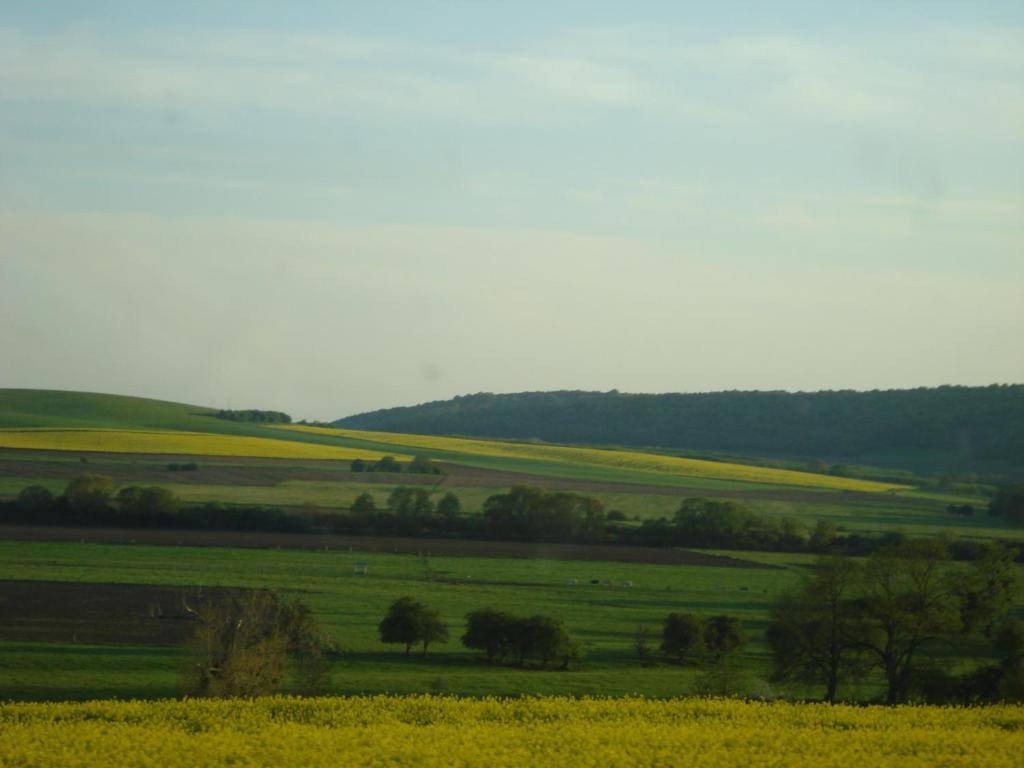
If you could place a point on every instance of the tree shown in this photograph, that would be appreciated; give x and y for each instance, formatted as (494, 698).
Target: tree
(364, 504)
(987, 589)
(358, 465)
(423, 465)
(823, 535)
(411, 503)
(241, 643)
(1008, 503)
(34, 500)
(723, 637)
(811, 630)
(544, 638)
(449, 507)
(491, 631)
(641, 641)
(527, 512)
(409, 622)
(682, 635)
(89, 493)
(387, 464)
(908, 601)
(148, 505)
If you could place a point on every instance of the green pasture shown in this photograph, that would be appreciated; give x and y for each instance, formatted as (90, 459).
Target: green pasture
(604, 618)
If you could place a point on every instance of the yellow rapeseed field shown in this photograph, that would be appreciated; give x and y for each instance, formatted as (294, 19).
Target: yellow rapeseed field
(632, 460)
(439, 731)
(177, 443)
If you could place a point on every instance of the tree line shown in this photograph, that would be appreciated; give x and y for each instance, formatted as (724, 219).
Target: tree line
(255, 416)
(420, 465)
(523, 513)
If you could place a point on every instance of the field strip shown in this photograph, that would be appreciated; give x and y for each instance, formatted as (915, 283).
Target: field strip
(632, 460)
(445, 731)
(174, 443)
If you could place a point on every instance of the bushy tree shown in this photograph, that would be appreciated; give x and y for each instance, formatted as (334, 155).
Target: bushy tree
(148, 505)
(1008, 503)
(241, 644)
(34, 500)
(545, 639)
(723, 637)
(908, 601)
(364, 504)
(387, 464)
(89, 493)
(423, 465)
(491, 631)
(501, 634)
(410, 622)
(449, 507)
(526, 512)
(682, 636)
(411, 503)
(812, 629)
(987, 588)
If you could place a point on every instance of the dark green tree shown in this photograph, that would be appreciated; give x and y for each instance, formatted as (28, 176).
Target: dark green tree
(545, 639)
(449, 507)
(1008, 503)
(410, 622)
(723, 637)
(387, 464)
(812, 630)
(682, 636)
(89, 493)
(987, 588)
(364, 504)
(34, 500)
(491, 631)
(908, 601)
(423, 465)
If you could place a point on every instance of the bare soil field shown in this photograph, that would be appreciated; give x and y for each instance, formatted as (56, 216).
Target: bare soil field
(396, 545)
(55, 611)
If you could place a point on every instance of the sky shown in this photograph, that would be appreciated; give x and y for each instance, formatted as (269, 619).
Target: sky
(327, 208)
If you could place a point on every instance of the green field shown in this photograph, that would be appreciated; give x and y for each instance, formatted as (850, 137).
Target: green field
(605, 618)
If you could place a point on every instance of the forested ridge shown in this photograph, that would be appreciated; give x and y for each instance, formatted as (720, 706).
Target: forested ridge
(948, 428)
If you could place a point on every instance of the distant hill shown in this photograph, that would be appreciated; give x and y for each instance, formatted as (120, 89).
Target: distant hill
(943, 429)
(59, 408)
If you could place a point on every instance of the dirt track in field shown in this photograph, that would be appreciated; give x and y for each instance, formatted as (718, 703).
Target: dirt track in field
(385, 544)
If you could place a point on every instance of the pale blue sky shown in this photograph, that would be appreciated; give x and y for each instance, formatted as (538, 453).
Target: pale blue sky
(358, 205)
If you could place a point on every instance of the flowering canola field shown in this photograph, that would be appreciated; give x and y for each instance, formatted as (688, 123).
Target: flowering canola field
(632, 460)
(177, 443)
(440, 731)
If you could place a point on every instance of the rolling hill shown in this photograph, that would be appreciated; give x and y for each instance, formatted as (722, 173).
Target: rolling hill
(945, 429)
(83, 422)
